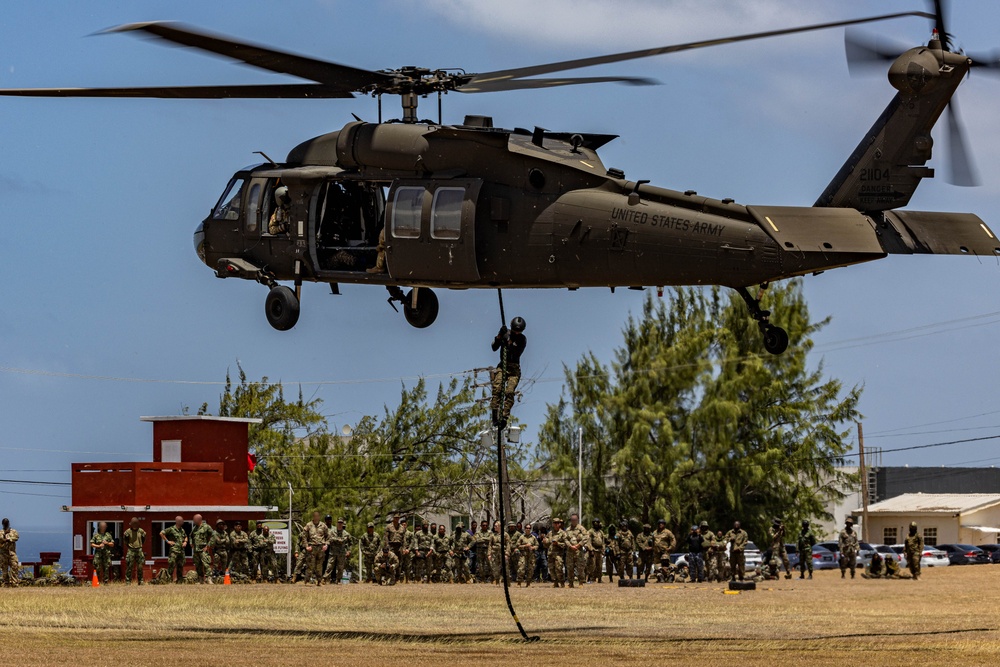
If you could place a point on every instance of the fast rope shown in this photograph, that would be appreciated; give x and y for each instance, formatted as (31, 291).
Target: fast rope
(501, 476)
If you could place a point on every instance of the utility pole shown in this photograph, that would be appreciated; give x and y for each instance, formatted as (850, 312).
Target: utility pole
(288, 554)
(579, 475)
(863, 471)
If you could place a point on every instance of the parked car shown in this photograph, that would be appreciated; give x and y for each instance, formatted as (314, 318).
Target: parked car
(752, 556)
(865, 552)
(832, 547)
(931, 557)
(964, 554)
(793, 555)
(824, 559)
(993, 550)
(889, 552)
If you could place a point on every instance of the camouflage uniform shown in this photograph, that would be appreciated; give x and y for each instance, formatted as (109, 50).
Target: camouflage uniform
(239, 549)
(805, 546)
(737, 539)
(595, 557)
(266, 556)
(201, 539)
(481, 545)
(848, 544)
(612, 554)
(557, 553)
(576, 559)
(777, 534)
(423, 558)
(395, 535)
(316, 536)
(527, 545)
(513, 557)
(220, 551)
(339, 551)
(10, 567)
(386, 567)
(175, 560)
(626, 552)
(442, 557)
(101, 544)
(913, 549)
(496, 556)
(461, 542)
(709, 544)
(369, 544)
(254, 552)
(135, 557)
(406, 556)
(644, 544)
(664, 544)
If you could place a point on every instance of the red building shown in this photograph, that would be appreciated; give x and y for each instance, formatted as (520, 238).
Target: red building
(200, 466)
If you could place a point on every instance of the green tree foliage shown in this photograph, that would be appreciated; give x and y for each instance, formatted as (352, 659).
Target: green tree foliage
(691, 422)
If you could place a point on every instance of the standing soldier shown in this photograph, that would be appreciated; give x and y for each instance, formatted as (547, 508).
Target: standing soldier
(268, 568)
(472, 550)
(201, 540)
(239, 550)
(664, 543)
(177, 539)
(496, 555)
(805, 545)
(220, 549)
(10, 567)
(527, 544)
(913, 549)
(461, 543)
(737, 539)
(557, 554)
(644, 543)
(542, 555)
(135, 558)
(696, 554)
(848, 544)
(576, 551)
(423, 547)
(481, 544)
(395, 534)
(255, 550)
(708, 546)
(511, 345)
(612, 554)
(386, 566)
(316, 536)
(339, 552)
(369, 544)
(595, 557)
(406, 553)
(512, 555)
(101, 544)
(626, 550)
(442, 556)
(778, 551)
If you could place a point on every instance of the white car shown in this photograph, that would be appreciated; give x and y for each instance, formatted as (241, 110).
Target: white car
(930, 558)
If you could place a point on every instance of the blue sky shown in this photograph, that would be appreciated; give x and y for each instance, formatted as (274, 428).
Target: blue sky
(101, 198)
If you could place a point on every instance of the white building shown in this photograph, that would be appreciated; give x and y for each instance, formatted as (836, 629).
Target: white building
(943, 518)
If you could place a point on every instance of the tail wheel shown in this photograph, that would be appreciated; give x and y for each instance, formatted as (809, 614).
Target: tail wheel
(775, 339)
(281, 308)
(426, 310)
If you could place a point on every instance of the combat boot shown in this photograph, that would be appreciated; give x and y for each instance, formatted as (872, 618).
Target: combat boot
(788, 575)
(571, 584)
(810, 575)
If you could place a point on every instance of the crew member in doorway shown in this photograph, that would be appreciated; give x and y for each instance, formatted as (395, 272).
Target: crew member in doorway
(511, 344)
(380, 257)
(278, 224)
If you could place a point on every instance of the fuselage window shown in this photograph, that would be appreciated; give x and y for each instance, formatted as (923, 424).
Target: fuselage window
(446, 213)
(406, 212)
(252, 207)
(228, 207)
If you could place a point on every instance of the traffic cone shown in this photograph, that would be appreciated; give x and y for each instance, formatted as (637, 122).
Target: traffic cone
(94, 582)
(226, 581)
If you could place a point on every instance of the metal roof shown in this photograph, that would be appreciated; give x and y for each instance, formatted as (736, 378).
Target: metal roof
(181, 509)
(200, 418)
(930, 503)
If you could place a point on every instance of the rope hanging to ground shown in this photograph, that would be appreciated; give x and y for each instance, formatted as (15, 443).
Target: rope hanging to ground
(502, 476)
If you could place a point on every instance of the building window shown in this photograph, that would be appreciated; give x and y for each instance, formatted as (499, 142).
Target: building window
(160, 547)
(170, 451)
(889, 536)
(115, 528)
(407, 209)
(446, 213)
(930, 537)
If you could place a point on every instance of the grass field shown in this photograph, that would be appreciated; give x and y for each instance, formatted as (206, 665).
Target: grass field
(949, 616)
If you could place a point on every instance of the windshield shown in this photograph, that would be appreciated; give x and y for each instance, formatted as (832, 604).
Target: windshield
(228, 207)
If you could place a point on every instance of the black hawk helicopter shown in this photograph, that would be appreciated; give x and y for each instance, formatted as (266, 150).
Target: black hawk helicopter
(415, 204)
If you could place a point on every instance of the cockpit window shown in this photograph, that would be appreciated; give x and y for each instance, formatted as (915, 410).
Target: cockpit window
(252, 207)
(406, 212)
(228, 207)
(446, 213)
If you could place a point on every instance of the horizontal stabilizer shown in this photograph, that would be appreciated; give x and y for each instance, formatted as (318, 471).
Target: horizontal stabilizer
(825, 230)
(910, 232)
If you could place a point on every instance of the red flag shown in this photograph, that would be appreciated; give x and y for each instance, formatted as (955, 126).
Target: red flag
(251, 461)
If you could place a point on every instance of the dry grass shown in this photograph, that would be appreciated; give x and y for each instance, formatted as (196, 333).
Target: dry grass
(948, 614)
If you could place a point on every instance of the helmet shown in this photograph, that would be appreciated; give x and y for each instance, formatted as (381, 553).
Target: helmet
(913, 524)
(623, 523)
(663, 521)
(517, 324)
(704, 524)
(281, 195)
(805, 522)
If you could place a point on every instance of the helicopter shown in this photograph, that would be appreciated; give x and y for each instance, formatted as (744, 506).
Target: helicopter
(413, 205)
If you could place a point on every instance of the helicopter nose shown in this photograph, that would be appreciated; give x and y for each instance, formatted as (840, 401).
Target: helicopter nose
(199, 241)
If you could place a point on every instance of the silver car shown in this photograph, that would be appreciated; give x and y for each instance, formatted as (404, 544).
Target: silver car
(930, 558)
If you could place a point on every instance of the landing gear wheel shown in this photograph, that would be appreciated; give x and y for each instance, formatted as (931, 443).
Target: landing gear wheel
(775, 339)
(281, 308)
(426, 310)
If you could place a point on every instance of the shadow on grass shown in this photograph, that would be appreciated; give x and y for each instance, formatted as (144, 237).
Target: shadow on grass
(444, 637)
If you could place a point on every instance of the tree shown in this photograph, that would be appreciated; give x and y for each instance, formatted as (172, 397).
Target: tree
(690, 422)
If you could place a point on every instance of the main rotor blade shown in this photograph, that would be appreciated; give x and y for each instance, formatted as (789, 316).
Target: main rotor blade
(332, 74)
(517, 73)
(866, 51)
(962, 171)
(988, 62)
(525, 84)
(275, 91)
